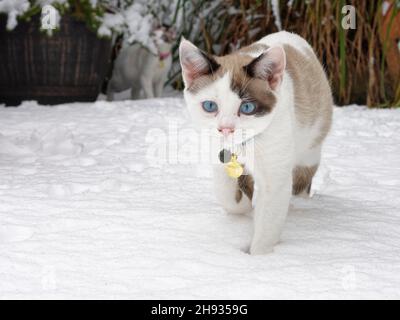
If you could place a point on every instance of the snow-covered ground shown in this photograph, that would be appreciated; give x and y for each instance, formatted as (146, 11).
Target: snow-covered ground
(84, 214)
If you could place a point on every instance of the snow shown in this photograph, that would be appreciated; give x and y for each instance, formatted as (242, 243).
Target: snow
(84, 214)
(13, 9)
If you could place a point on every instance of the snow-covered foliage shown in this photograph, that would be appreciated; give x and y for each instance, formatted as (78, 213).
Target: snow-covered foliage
(14, 9)
(136, 19)
(276, 12)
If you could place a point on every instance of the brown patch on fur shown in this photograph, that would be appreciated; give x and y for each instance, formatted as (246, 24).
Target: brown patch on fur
(313, 97)
(247, 88)
(302, 178)
(203, 81)
(238, 195)
(246, 186)
(252, 89)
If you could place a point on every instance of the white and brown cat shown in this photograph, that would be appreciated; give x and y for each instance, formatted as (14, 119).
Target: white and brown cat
(142, 71)
(276, 89)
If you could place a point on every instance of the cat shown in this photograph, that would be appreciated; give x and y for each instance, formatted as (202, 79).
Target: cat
(276, 89)
(136, 68)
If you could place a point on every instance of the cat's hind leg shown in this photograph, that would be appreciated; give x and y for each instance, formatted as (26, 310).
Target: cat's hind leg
(147, 86)
(304, 172)
(110, 91)
(135, 92)
(158, 88)
(234, 195)
(302, 180)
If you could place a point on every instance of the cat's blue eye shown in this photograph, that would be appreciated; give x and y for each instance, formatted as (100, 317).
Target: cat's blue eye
(247, 108)
(209, 106)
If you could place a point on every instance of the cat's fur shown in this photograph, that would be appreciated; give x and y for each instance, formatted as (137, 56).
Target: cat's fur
(138, 69)
(282, 74)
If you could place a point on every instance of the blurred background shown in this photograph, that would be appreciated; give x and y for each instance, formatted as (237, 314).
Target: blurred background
(75, 61)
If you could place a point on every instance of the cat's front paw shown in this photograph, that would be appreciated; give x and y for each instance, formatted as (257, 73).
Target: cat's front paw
(262, 246)
(256, 251)
(261, 250)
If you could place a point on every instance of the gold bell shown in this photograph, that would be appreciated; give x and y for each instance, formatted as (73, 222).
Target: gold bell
(233, 168)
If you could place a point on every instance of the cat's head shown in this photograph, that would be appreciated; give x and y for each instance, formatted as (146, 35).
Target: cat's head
(232, 94)
(164, 36)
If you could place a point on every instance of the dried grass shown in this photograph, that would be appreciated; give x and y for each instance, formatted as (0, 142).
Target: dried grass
(354, 59)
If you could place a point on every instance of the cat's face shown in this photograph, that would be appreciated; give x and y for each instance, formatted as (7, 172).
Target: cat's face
(233, 96)
(164, 38)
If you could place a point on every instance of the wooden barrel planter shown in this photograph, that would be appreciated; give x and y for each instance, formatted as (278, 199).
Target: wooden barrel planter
(68, 66)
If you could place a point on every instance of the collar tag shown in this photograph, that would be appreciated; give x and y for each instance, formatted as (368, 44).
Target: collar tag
(232, 167)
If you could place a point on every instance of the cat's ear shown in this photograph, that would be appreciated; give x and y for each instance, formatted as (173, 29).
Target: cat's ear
(269, 66)
(194, 62)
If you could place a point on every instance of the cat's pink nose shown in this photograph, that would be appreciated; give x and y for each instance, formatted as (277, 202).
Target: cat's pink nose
(226, 131)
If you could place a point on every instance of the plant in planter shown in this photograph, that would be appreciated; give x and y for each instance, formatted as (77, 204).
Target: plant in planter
(51, 66)
(69, 63)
